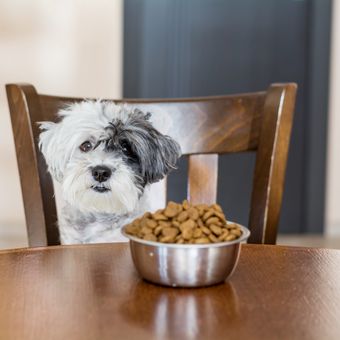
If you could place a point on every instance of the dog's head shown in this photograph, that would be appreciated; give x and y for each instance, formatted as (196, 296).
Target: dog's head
(105, 154)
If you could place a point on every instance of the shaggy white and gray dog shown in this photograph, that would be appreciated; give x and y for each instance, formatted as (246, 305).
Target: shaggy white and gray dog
(105, 156)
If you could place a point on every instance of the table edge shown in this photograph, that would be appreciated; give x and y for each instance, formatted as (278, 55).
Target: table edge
(103, 245)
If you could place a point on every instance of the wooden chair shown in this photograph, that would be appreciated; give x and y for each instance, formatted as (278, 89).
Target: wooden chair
(204, 127)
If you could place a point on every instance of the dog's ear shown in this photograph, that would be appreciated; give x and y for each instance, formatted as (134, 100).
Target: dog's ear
(157, 153)
(161, 157)
(52, 146)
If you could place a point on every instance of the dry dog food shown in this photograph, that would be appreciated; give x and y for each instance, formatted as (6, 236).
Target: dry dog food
(185, 223)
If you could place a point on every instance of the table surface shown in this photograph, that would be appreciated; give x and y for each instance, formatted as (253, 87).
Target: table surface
(94, 292)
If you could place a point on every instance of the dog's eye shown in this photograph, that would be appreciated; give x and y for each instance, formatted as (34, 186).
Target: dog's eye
(126, 148)
(86, 146)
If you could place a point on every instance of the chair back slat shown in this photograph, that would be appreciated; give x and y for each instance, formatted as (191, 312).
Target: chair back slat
(220, 124)
(158, 194)
(270, 166)
(36, 183)
(202, 178)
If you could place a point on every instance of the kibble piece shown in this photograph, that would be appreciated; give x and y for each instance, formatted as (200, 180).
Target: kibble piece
(171, 210)
(213, 238)
(217, 207)
(158, 230)
(136, 222)
(215, 229)
(200, 223)
(220, 215)
(151, 223)
(187, 233)
(202, 240)
(167, 239)
(202, 207)
(146, 230)
(179, 236)
(230, 237)
(212, 220)
(159, 217)
(219, 223)
(197, 233)
(147, 215)
(131, 229)
(193, 213)
(186, 205)
(236, 232)
(169, 231)
(224, 234)
(206, 230)
(183, 216)
(150, 237)
(176, 224)
(143, 223)
(180, 241)
(189, 224)
(165, 224)
(208, 214)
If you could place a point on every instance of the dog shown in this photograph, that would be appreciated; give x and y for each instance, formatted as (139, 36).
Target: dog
(105, 157)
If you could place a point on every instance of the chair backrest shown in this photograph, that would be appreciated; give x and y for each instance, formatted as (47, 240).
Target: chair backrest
(204, 127)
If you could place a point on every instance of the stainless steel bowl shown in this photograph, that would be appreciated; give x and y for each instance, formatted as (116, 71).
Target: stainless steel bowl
(185, 265)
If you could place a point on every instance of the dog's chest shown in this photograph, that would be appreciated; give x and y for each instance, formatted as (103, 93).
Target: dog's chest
(99, 232)
(78, 228)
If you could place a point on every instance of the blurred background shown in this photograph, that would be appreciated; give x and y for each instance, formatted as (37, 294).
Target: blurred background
(175, 48)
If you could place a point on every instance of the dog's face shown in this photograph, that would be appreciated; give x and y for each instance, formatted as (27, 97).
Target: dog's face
(105, 154)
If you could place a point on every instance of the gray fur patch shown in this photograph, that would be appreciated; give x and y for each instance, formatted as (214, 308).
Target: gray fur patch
(157, 153)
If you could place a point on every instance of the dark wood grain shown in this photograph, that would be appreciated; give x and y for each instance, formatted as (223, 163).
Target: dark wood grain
(270, 166)
(207, 126)
(94, 292)
(36, 183)
(202, 178)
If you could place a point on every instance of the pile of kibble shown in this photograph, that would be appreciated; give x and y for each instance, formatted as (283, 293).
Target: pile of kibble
(185, 223)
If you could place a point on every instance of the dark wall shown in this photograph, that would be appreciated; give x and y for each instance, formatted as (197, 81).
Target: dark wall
(207, 47)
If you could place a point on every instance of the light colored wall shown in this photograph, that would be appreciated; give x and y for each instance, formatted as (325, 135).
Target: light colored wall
(66, 47)
(333, 162)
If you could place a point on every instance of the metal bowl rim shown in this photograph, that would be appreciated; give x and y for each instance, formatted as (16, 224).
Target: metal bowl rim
(244, 236)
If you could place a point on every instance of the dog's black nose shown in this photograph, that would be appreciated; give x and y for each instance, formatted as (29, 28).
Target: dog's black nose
(101, 173)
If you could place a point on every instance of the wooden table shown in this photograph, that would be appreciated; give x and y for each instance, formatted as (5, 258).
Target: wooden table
(93, 292)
